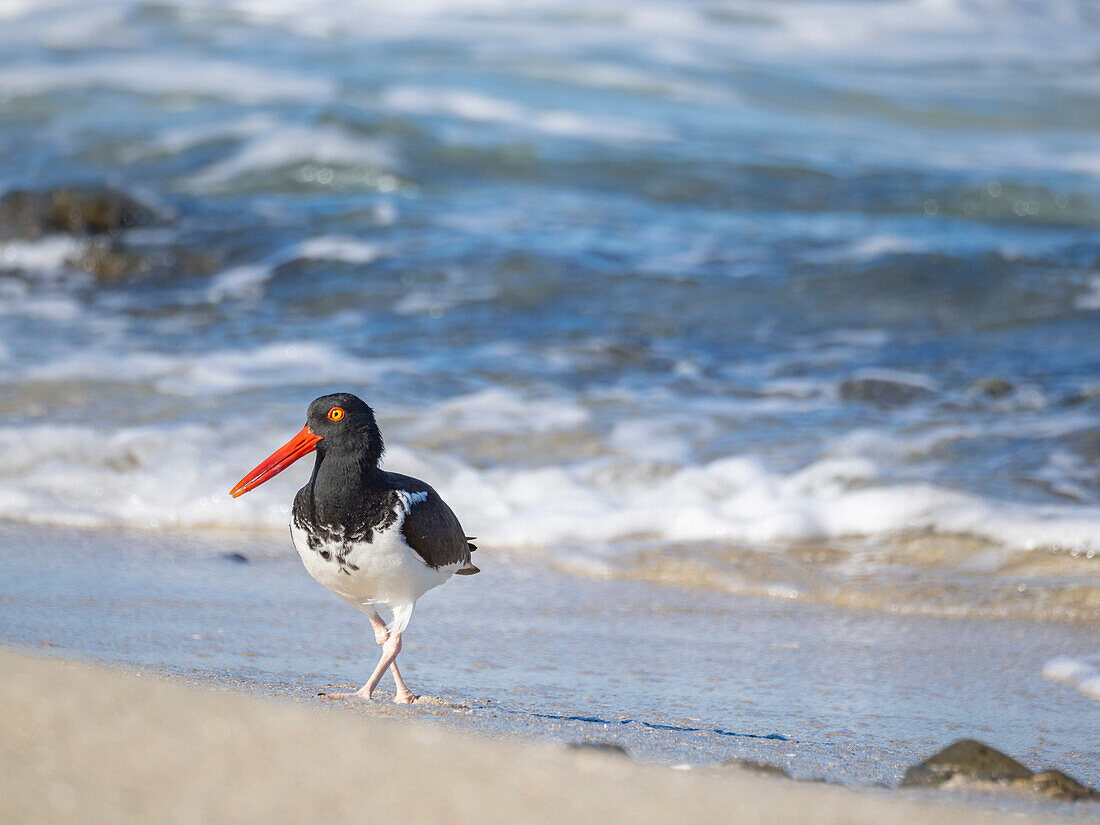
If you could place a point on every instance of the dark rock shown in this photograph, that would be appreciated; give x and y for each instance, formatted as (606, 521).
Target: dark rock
(239, 558)
(99, 214)
(1086, 396)
(1058, 785)
(994, 387)
(29, 215)
(600, 747)
(109, 261)
(112, 262)
(883, 392)
(967, 759)
(753, 766)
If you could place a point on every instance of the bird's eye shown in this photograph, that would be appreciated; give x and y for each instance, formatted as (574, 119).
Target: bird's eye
(336, 414)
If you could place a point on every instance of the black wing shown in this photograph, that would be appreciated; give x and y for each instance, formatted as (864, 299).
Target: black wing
(431, 528)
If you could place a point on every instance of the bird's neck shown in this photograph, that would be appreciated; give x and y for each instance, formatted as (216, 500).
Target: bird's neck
(339, 487)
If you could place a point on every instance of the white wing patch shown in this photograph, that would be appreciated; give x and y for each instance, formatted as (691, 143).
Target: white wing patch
(408, 500)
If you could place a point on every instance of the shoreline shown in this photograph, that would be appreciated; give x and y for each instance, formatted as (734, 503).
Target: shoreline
(529, 655)
(91, 744)
(270, 544)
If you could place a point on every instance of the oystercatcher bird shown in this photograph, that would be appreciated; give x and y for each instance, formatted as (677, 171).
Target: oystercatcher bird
(371, 537)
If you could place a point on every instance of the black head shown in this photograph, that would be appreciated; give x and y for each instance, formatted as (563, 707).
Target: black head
(346, 425)
(339, 425)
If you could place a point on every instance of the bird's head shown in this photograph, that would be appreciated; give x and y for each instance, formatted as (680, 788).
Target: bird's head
(339, 424)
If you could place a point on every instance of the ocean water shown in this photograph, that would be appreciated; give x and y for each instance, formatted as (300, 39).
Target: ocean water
(794, 299)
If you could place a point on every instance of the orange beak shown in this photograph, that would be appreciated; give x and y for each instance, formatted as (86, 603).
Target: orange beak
(304, 443)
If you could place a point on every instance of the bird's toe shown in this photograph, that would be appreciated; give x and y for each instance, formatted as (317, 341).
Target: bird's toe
(355, 695)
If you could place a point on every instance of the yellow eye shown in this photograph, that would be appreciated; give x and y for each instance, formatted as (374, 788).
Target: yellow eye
(336, 414)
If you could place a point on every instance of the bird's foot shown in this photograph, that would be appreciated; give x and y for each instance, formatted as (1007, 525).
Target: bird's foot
(358, 694)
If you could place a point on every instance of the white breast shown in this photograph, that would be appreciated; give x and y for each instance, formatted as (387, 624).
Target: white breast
(383, 571)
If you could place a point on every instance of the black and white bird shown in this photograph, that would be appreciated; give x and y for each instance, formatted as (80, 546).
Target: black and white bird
(371, 537)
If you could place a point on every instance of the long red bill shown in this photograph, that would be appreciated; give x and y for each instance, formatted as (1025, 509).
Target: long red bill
(304, 443)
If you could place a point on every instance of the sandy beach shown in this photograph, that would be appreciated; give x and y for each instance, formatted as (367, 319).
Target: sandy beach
(85, 744)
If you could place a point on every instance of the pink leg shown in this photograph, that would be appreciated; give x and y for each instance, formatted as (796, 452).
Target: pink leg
(402, 695)
(390, 648)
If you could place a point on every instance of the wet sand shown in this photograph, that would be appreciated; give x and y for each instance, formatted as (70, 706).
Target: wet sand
(84, 744)
(535, 658)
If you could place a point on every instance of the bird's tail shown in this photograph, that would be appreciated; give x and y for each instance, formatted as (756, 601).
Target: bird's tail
(469, 569)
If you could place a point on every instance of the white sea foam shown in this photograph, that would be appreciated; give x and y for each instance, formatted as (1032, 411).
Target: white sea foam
(338, 248)
(905, 31)
(156, 476)
(1090, 299)
(142, 477)
(739, 499)
(1081, 671)
(59, 308)
(49, 255)
(169, 74)
(245, 281)
(248, 281)
(500, 410)
(293, 363)
(479, 107)
(180, 139)
(663, 441)
(613, 76)
(15, 8)
(458, 287)
(286, 145)
(875, 246)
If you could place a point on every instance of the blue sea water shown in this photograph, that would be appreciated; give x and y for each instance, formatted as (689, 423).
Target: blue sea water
(792, 298)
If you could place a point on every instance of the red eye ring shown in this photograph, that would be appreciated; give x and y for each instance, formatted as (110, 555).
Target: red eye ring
(336, 414)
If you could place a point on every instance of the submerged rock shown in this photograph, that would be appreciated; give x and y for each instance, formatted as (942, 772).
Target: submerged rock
(99, 215)
(612, 748)
(884, 392)
(967, 759)
(73, 211)
(1060, 786)
(994, 387)
(752, 766)
(109, 260)
(968, 762)
(1085, 396)
(113, 262)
